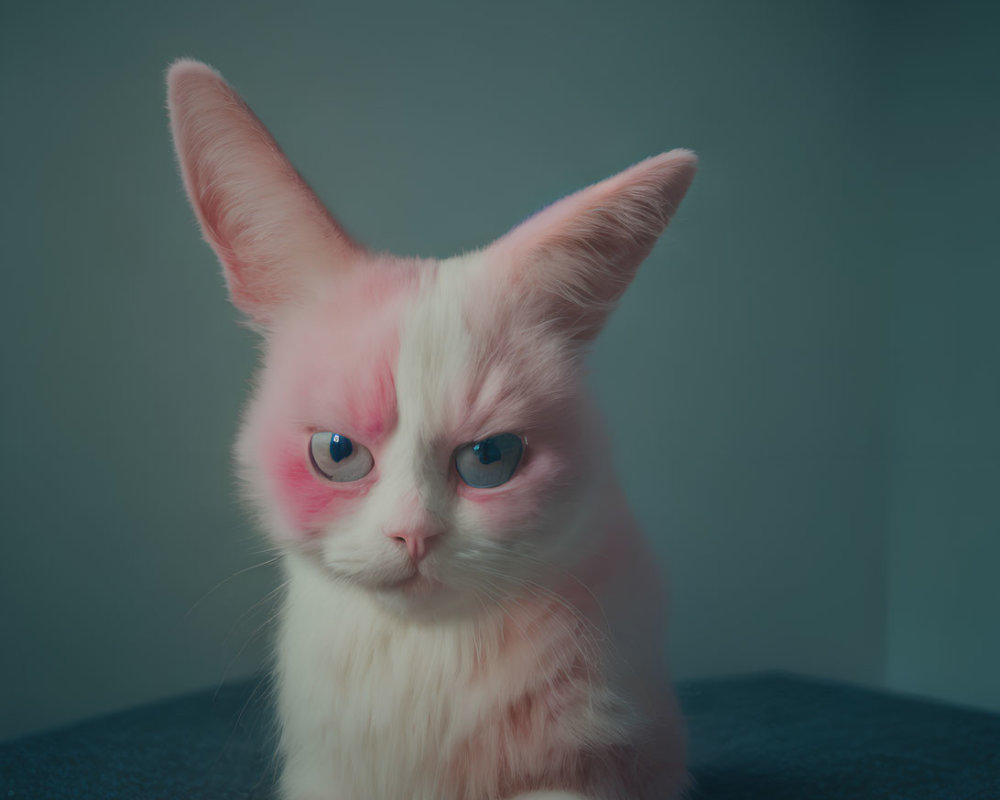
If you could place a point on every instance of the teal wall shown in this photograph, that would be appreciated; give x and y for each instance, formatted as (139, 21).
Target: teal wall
(943, 382)
(779, 428)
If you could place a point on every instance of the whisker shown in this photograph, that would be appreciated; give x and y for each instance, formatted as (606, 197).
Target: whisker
(223, 582)
(265, 599)
(249, 639)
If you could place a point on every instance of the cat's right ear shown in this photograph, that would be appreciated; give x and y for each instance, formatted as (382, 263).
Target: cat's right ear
(269, 230)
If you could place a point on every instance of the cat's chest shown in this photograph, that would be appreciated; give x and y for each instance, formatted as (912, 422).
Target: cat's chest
(385, 709)
(371, 709)
(382, 684)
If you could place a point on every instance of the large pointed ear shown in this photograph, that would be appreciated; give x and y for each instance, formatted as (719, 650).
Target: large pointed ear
(573, 260)
(269, 230)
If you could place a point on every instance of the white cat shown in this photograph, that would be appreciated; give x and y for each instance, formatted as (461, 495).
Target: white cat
(471, 613)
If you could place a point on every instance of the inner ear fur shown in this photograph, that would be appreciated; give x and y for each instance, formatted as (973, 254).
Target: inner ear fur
(270, 231)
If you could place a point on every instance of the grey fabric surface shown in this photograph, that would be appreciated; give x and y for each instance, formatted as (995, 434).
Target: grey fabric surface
(771, 736)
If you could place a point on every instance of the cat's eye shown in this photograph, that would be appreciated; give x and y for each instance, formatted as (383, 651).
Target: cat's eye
(338, 458)
(489, 462)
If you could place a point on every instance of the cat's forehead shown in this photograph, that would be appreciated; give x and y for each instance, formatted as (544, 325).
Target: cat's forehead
(330, 360)
(436, 346)
(470, 362)
(433, 344)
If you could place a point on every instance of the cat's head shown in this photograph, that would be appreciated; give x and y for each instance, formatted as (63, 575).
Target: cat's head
(418, 426)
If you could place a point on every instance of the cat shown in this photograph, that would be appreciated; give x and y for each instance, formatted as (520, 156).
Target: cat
(470, 612)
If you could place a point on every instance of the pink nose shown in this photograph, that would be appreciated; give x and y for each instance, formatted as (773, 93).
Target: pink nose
(415, 542)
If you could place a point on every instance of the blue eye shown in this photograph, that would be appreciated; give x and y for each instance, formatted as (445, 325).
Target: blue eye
(338, 458)
(489, 462)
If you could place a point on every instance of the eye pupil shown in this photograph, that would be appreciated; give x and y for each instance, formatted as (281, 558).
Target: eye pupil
(340, 447)
(487, 451)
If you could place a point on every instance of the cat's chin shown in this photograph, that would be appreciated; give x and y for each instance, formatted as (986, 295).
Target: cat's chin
(414, 586)
(421, 597)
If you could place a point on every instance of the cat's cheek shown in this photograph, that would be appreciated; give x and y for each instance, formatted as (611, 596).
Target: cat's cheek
(520, 502)
(307, 501)
(501, 512)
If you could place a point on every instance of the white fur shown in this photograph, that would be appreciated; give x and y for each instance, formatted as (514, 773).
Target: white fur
(372, 700)
(375, 698)
(520, 659)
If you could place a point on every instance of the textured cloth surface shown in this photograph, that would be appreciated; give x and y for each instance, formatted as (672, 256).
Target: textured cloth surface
(766, 737)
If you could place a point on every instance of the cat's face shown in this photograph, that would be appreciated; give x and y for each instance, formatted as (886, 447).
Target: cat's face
(412, 366)
(418, 427)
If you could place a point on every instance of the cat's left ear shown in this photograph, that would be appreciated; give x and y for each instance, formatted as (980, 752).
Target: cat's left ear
(574, 259)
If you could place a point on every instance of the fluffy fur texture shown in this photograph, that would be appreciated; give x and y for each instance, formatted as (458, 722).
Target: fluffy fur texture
(440, 641)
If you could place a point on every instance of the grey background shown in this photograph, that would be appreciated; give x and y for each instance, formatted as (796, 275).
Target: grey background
(803, 382)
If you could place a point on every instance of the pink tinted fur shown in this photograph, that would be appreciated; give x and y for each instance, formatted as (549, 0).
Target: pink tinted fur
(263, 232)
(331, 365)
(519, 740)
(558, 258)
(543, 677)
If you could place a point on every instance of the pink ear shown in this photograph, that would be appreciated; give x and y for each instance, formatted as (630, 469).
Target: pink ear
(269, 230)
(576, 257)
